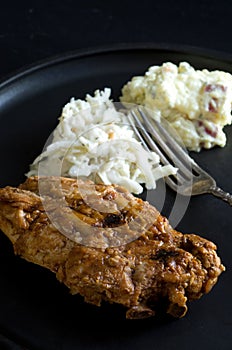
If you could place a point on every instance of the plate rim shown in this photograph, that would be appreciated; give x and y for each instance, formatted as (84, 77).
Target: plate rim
(65, 56)
(76, 54)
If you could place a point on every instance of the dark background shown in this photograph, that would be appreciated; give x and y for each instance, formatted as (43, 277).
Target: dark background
(31, 31)
(34, 30)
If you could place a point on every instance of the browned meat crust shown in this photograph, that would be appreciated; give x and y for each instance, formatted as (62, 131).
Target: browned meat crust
(156, 265)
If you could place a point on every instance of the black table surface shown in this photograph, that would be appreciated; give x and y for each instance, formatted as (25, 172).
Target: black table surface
(34, 30)
(31, 31)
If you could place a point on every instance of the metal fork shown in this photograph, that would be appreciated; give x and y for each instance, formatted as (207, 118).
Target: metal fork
(158, 136)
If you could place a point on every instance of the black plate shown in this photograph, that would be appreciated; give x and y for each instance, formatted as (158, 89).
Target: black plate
(38, 312)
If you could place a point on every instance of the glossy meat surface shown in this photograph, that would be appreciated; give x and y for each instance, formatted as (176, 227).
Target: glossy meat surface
(120, 250)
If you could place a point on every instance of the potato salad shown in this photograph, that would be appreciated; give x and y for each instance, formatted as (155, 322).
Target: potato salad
(197, 103)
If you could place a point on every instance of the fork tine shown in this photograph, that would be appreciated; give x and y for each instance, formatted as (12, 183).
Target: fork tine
(131, 116)
(172, 140)
(167, 146)
(163, 135)
(146, 136)
(146, 140)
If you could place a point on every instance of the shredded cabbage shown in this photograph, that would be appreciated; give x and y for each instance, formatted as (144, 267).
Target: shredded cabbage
(94, 140)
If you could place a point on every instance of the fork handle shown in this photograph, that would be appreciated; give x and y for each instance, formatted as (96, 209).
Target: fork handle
(218, 192)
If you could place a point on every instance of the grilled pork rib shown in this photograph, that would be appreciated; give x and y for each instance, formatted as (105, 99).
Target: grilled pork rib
(156, 264)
